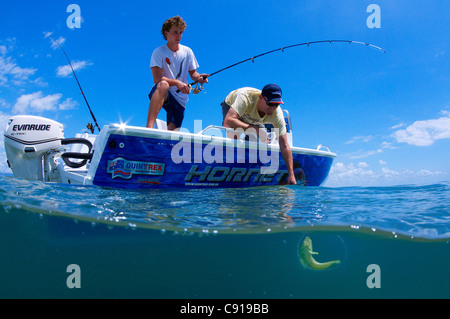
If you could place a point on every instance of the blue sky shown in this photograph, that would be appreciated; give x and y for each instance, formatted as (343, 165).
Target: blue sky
(386, 115)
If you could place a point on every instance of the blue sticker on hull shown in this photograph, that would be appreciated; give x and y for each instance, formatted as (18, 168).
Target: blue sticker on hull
(123, 168)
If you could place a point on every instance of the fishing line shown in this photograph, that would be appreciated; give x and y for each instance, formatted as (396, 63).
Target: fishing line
(282, 50)
(89, 125)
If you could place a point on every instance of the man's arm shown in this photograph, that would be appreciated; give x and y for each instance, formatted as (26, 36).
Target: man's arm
(232, 120)
(287, 157)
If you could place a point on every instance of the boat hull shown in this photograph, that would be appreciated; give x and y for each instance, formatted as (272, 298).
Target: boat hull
(139, 158)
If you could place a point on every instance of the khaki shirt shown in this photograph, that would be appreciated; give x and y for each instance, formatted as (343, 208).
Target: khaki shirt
(245, 100)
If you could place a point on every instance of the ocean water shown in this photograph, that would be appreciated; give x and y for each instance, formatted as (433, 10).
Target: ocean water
(63, 241)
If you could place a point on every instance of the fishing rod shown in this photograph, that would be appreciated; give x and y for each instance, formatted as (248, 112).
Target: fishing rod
(197, 89)
(89, 125)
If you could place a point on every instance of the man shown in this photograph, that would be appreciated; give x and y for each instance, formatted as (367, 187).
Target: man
(171, 65)
(249, 108)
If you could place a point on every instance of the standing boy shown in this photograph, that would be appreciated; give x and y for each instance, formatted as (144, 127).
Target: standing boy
(172, 64)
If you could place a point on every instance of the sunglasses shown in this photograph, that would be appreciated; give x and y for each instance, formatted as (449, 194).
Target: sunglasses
(270, 104)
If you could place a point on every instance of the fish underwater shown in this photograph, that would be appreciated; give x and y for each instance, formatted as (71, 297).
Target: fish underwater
(307, 260)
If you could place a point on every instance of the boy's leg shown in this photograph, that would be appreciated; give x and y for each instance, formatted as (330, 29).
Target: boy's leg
(157, 98)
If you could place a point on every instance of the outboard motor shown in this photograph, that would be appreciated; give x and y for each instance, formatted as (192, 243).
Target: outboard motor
(27, 139)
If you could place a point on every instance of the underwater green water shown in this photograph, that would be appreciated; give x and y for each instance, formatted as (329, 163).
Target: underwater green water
(125, 250)
(145, 263)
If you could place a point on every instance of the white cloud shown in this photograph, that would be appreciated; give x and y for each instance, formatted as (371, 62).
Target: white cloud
(388, 172)
(60, 40)
(11, 72)
(349, 175)
(3, 165)
(47, 34)
(363, 154)
(3, 120)
(38, 103)
(358, 175)
(387, 145)
(68, 104)
(381, 162)
(3, 103)
(425, 133)
(363, 165)
(65, 70)
(398, 126)
(364, 139)
(439, 54)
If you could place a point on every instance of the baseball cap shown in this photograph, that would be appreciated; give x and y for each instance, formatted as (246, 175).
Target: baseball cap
(272, 93)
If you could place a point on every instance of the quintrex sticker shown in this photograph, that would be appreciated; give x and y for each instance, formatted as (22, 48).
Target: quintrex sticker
(120, 167)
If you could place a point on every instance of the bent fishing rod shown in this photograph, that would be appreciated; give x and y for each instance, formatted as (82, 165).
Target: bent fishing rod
(89, 125)
(197, 89)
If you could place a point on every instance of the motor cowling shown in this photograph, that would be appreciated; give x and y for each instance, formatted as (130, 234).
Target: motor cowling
(27, 138)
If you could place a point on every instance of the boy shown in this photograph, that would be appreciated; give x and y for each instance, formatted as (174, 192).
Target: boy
(171, 65)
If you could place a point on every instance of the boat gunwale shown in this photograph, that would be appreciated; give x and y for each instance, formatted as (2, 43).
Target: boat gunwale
(197, 138)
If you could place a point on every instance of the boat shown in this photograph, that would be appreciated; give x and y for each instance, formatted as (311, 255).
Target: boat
(124, 156)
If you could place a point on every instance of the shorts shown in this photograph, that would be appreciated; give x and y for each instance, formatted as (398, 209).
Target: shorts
(175, 111)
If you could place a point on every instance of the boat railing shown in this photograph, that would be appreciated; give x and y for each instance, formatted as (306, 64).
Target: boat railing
(319, 147)
(253, 137)
(210, 127)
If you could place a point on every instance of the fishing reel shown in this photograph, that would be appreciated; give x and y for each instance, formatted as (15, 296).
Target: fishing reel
(90, 127)
(197, 88)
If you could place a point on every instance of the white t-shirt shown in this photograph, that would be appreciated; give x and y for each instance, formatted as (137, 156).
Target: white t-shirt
(176, 66)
